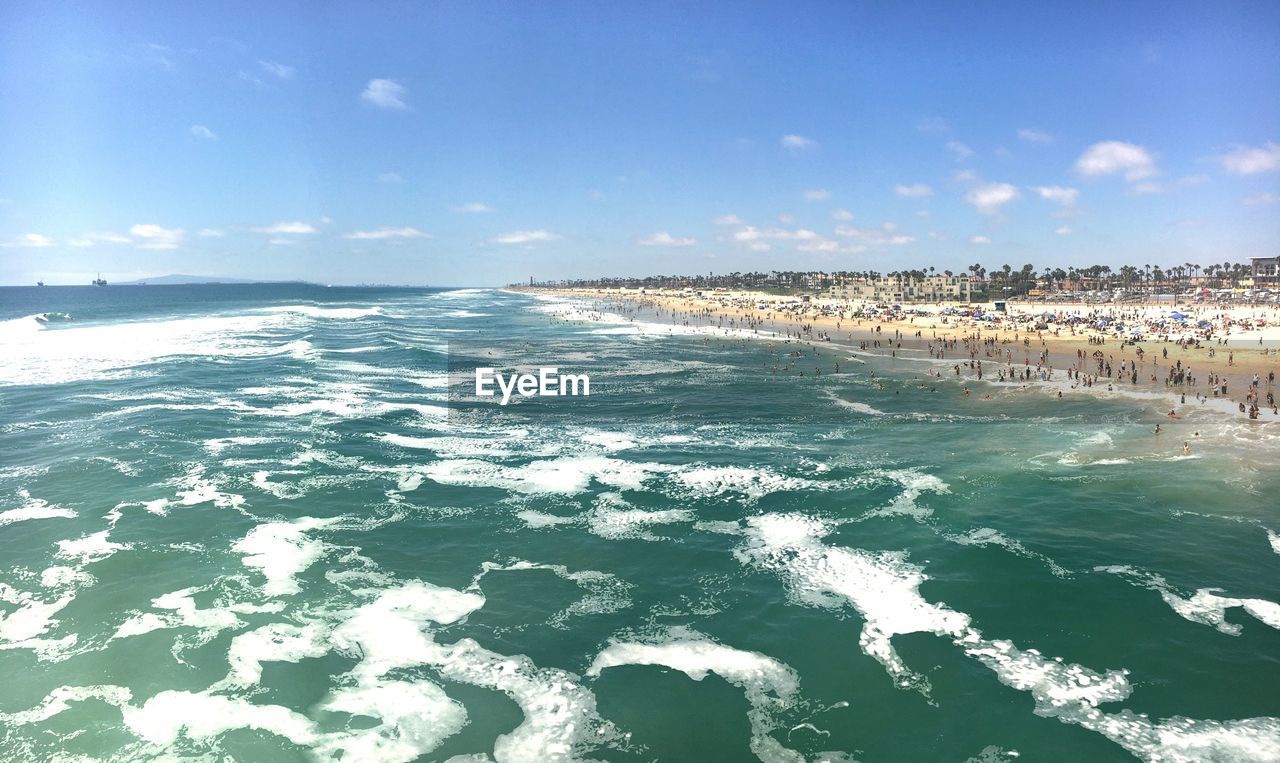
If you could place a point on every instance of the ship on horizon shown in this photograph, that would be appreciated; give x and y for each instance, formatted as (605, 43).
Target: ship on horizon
(99, 281)
(39, 283)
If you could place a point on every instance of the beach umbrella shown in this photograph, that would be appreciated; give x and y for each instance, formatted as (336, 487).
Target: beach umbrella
(1177, 315)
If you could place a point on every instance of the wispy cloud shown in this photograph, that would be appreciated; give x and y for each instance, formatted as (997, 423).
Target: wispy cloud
(287, 227)
(379, 234)
(89, 239)
(152, 236)
(798, 143)
(933, 125)
(959, 150)
(979, 240)
(211, 233)
(1030, 135)
(1057, 194)
(822, 245)
(1243, 160)
(886, 234)
(989, 198)
(727, 220)
(472, 208)
(385, 94)
(526, 237)
(1111, 157)
(1261, 198)
(31, 240)
(276, 69)
(390, 177)
(915, 191)
(1065, 230)
(817, 194)
(662, 238)
(1146, 188)
(752, 233)
(202, 132)
(841, 214)
(160, 55)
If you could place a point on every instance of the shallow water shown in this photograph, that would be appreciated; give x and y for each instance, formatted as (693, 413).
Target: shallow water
(266, 522)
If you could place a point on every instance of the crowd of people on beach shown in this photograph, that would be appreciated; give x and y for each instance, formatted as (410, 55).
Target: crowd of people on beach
(1016, 351)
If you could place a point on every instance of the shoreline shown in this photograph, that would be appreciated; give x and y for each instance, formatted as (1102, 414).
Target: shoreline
(1078, 361)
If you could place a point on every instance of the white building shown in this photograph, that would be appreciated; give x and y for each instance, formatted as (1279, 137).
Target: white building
(1266, 270)
(935, 288)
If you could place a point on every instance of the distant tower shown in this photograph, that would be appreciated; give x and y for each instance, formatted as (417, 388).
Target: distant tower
(531, 280)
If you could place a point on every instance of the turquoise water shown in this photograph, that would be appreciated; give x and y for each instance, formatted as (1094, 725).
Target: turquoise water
(267, 523)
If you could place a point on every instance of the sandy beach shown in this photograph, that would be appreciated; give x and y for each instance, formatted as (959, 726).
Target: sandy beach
(1211, 352)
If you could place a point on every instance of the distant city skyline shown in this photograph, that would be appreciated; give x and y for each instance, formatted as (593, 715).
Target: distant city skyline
(485, 143)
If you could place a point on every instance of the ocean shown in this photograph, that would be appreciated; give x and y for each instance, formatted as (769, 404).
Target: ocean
(271, 522)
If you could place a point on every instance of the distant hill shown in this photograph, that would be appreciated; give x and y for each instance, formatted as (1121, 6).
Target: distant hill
(175, 279)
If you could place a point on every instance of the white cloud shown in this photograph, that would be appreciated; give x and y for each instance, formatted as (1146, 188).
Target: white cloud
(282, 241)
(385, 94)
(1145, 188)
(211, 233)
(959, 150)
(472, 208)
(964, 176)
(727, 220)
(1112, 156)
(386, 233)
(752, 233)
(277, 69)
(979, 240)
(817, 194)
(390, 177)
(202, 132)
(841, 214)
(786, 218)
(823, 245)
(526, 237)
(798, 143)
(662, 238)
(1261, 198)
(988, 198)
(152, 236)
(758, 246)
(33, 240)
(1250, 161)
(1034, 136)
(287, 227)
(915, 191)
(1058, 194)
(886, 234)
(1065, 230)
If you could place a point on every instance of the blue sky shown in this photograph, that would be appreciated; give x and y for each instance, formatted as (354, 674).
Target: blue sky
(482, 143)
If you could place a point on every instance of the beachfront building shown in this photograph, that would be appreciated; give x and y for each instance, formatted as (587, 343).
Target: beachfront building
(899, 288)
(1266, 270)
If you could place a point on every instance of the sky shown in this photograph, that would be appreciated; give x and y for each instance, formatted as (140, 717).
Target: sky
(479, 143)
